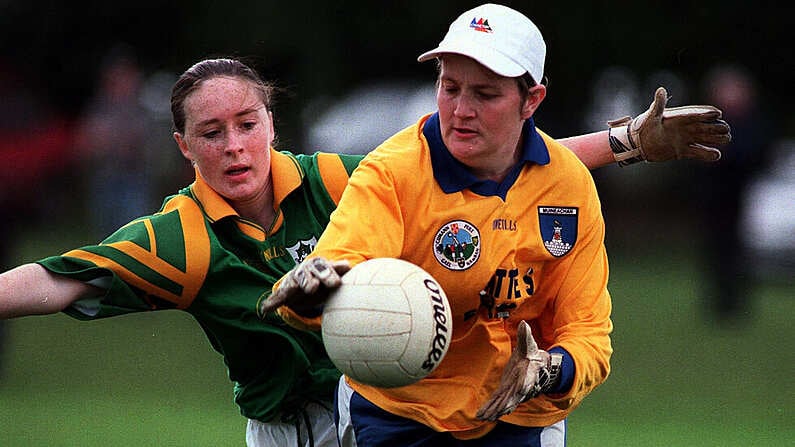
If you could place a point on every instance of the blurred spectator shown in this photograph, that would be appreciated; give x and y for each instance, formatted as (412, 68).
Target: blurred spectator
(112, 135)
(721, 187)
(35, 144)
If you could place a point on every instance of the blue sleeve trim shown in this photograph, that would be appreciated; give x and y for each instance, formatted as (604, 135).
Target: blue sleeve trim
(567, 371)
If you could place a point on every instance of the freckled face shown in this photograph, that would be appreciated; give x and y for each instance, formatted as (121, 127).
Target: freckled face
(481, 113)
(228, 134)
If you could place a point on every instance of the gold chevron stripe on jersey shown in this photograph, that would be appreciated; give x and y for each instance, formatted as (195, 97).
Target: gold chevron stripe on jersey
(332, 168)
(197, 256)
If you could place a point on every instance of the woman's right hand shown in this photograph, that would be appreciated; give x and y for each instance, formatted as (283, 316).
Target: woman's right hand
(307, 286)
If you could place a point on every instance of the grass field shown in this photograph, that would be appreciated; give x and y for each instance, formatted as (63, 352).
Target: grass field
(152, 380)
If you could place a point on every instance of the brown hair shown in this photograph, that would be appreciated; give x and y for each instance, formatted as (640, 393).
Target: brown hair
(208, 69)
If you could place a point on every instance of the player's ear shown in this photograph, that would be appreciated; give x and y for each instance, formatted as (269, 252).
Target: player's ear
(183, 147)
(271, 129)
(535, 96)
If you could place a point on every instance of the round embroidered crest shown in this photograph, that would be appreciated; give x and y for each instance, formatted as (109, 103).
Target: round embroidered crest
(457, 245)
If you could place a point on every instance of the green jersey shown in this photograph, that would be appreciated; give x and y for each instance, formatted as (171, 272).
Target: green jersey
(197, 255)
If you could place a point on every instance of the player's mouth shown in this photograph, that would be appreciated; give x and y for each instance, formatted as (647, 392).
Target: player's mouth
(237, 171)
(464, 132)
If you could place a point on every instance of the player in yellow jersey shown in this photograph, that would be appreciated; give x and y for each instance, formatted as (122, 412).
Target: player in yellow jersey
(508, 221)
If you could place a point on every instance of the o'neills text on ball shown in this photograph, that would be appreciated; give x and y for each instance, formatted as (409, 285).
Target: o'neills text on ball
(442, 326)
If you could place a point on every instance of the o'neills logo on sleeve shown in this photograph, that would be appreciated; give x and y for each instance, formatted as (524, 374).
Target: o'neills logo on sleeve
(457, 245)
(443, 326)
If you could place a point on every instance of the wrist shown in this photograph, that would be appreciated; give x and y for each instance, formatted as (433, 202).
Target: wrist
(554, 371)
(625, 150)
(549, 375)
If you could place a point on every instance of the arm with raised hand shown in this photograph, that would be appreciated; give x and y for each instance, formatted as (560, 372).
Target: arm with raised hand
(656, 135)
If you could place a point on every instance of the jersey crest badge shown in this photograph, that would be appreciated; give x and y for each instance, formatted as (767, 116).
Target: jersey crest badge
(301, 250)
(558, 227)
(457, 245)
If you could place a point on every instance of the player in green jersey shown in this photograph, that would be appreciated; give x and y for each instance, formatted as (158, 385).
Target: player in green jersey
(215, 249)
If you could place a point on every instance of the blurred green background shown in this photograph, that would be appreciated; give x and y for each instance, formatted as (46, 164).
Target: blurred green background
(680, 377)
(677, 380)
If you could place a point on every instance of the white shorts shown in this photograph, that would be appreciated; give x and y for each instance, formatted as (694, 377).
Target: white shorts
(344, 428)
(320, 418)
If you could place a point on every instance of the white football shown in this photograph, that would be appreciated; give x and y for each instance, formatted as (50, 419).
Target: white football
(388, 324)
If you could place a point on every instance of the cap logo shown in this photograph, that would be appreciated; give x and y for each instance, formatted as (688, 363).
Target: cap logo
(481, 25)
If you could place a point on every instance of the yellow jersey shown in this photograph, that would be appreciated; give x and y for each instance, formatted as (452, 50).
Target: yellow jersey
(530, 248)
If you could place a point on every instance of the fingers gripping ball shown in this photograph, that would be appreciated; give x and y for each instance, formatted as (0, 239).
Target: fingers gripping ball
(388, 324)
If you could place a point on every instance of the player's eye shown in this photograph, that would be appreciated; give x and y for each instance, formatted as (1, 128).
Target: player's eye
(486, 94)
(448, 87)
(450, 90)
(211, 134)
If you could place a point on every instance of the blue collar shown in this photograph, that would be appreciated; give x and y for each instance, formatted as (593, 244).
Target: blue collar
(452, 176)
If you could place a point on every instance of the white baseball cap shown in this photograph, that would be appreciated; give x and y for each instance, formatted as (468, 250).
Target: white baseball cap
(500, 38)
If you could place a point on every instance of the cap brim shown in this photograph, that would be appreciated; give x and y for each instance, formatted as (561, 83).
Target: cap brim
(493, 60)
